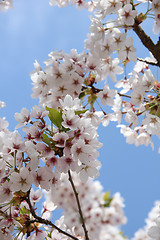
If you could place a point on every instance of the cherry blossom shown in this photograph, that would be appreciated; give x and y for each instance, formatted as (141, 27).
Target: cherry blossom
(97, 217)
(5, 5)
(58, 156)
(127, 52)
(36, 195)
(154, 231)
(106, 96)
(127, 15)
(23, 118)
(151, 229)
(21, 181)
(5, 192)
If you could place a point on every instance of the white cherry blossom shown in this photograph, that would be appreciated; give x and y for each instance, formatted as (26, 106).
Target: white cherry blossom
(47, 154)
(23, 118)
(5, 192)
(106, 96)
(127, 51)
(60, 138)
(127, 15)
(21, 181)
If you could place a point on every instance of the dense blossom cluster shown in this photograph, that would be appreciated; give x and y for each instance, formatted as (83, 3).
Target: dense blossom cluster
(59, 152)
(124, 9)
(150, 230)
(100, 210)
(106, 49)
(70, 146)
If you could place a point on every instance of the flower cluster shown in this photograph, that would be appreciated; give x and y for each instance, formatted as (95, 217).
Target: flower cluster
(143, 101)
(71, 145)
(63, 75)
(149, 231)
(74, 74)
(89, 5)
(103, 214)
(61, 140)
(124, 9)
(79, 74)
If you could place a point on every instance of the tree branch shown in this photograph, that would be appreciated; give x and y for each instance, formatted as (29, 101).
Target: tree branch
(147, 41)
(45, 221)
(124, 95)
(79, 206)
(158, 43)
(145, 61)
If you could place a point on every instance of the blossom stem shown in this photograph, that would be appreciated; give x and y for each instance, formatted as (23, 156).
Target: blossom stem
(15, 153)
(101, 108)
(79, 206)
(124, 95)
(45, 221)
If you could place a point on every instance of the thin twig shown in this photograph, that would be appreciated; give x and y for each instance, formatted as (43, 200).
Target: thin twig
(145, 61)
(79, 206)
(45, 221)
(124, 95)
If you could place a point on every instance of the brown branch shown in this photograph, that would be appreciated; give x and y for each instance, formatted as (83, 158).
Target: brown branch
(147, 41)
(145, 61)
(5, 215)
(45, 221)
(124, 95)
(158, 43)
(79, 206)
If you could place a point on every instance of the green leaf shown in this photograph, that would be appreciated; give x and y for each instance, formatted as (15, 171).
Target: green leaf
(63, 129)
(107, 199)
(24, 210)
(81, 95)
(55, 117)
(136, 4)
(106, 196)
(80, 112)
(46, 139)
(108, 202)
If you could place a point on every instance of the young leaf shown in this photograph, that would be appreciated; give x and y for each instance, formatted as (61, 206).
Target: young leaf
(45, 139)
(81, 95)
(55, 117)
(80, 112)
(107, 199)
(106, 196)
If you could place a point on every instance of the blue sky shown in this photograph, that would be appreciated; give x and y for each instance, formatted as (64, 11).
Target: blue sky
(31, 31)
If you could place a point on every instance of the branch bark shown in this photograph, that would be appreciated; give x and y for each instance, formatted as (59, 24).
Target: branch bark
(147, 41)
(79, 206)
(45, 221)
(145, 61)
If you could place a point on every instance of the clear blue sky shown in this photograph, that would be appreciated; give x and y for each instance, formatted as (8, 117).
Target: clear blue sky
(31, 31)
